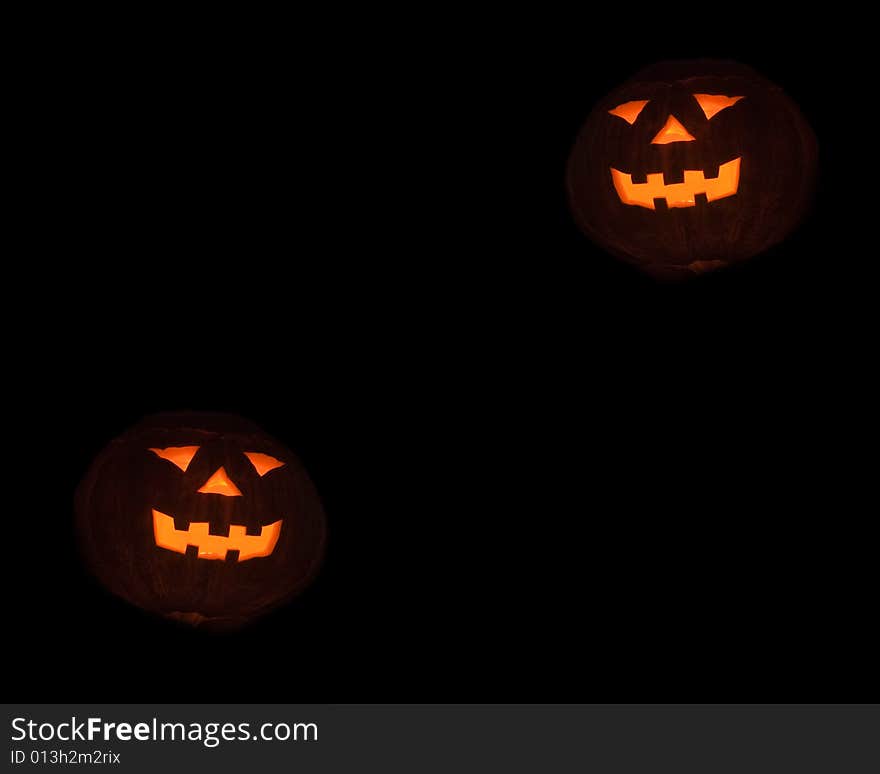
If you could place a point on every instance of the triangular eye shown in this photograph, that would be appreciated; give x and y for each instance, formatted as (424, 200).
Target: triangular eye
(179, 455)
(629, 111)
(714, 103)
(263, 462)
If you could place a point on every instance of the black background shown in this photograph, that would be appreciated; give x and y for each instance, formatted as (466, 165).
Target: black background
(547, 477)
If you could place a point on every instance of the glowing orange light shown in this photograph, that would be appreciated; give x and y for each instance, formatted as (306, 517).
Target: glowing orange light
(179, 455)
(214, 546)
(714, 103)
(677, 194)
(263, 462)
(629, 111)
(220, 484)
(672, 131)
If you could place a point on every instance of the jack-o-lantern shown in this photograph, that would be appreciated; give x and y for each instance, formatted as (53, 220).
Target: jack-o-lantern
(691, 166)
(200, 517)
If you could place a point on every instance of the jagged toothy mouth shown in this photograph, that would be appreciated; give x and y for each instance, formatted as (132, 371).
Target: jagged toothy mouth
(677, 194)
(210, 546)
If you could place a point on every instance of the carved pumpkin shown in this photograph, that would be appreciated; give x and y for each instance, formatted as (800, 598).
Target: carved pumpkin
(200, 517)
(691, 166)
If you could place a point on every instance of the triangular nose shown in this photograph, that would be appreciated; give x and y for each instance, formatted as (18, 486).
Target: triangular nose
(220, 484)
(672, 131)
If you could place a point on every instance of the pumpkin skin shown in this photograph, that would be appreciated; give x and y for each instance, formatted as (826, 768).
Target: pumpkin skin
(764, 129)
(129, 483)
